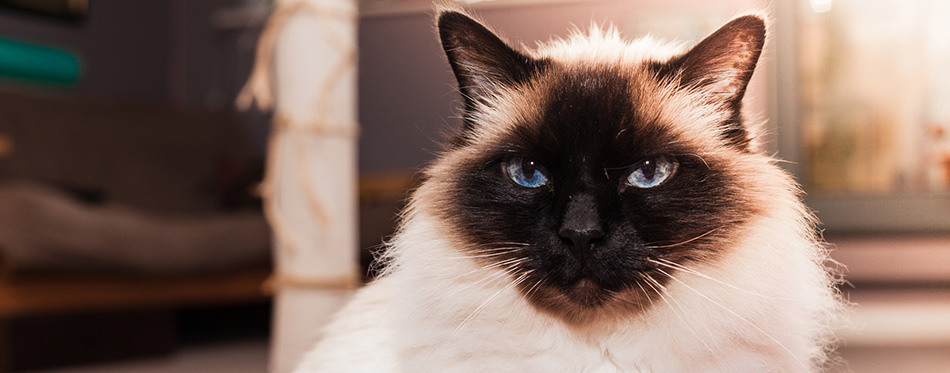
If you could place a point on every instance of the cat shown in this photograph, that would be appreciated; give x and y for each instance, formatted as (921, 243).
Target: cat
(605, 207)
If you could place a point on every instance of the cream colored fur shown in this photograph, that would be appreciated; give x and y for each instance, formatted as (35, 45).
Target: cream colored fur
(765, 306)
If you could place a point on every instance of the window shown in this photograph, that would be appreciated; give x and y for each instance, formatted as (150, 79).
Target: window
(866, 84)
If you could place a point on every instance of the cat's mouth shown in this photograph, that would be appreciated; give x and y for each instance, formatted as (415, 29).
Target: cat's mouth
(586, 298)
(587, 293)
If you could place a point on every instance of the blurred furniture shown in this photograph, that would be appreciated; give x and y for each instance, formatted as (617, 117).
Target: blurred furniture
(305, 73)
(863, 111)
(58, 8)
(56, 319)
(22, 61)
(898, 284)
(140, 154)
(143, 156)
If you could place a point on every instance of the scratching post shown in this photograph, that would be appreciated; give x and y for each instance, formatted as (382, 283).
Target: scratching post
(306, 73)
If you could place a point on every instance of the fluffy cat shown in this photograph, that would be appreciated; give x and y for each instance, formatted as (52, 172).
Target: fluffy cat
(604, 208)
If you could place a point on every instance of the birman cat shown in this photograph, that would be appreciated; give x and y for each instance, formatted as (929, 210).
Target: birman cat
(604, 207)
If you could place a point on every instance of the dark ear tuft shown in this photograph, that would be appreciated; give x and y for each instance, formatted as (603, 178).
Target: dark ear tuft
(722, 65)
(481, 61)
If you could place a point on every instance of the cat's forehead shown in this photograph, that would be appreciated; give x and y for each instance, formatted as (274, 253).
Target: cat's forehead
(598, 101)
(604, 79)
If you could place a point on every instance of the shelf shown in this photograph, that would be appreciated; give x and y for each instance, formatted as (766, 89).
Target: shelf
(62, 293)
(893, 259)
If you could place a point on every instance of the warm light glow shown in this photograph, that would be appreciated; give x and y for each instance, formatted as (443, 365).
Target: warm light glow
(820, 6)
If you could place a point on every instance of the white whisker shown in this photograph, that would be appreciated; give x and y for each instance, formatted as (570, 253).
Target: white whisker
(485, 280)
(683, 242)
(737, 315)
(494, 277)
(680, 314)
(680, 267)
(484, 255)
(645, 294)
(488, 301)
(534, 287)
(700, 158)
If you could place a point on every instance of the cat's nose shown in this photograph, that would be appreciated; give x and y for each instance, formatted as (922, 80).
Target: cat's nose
(581, 224)
(582, 238)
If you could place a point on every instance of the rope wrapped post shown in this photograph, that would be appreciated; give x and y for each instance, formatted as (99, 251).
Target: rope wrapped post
(305, 71)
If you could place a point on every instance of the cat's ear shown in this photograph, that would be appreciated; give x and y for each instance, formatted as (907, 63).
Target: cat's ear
(720, 67)
(722, 64)
(481, 61)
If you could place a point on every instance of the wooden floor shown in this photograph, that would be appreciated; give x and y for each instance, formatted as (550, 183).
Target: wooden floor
(64, 293)
(93, 317)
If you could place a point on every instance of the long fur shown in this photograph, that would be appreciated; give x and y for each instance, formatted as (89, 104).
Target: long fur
(765, 305)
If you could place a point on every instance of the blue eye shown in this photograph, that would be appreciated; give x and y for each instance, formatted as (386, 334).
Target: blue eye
(652, 172)
(526, 173)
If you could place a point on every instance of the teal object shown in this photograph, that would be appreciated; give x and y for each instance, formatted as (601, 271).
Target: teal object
(36, 63)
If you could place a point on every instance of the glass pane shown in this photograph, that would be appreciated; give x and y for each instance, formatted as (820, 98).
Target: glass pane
(875, 89)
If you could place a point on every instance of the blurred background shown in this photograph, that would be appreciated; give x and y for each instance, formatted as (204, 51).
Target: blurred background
(132, 237)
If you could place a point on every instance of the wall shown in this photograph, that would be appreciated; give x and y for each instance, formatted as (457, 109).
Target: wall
(407, 94)
(150, 123)
(161, 50)
(124, 44)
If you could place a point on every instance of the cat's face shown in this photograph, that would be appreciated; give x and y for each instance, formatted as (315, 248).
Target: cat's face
(577, 176)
